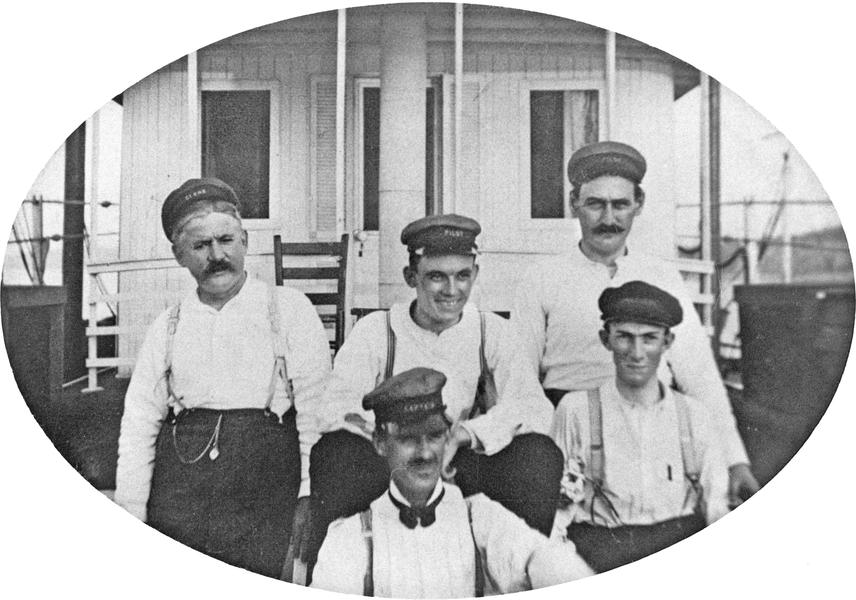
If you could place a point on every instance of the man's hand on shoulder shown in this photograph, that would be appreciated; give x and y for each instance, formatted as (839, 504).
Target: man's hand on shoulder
(741, 484)
(459, 437)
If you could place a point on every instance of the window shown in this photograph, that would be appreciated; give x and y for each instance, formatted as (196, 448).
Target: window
(560, 121)
(236, 142)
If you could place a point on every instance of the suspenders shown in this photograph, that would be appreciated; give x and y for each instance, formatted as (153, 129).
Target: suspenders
(390, 351)
(368, 580)
(596, 453)
(280, 368)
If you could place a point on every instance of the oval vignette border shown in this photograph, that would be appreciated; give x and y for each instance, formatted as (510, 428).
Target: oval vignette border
(65, 541)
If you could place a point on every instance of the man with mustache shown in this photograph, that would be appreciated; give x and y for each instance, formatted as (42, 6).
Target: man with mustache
(555, 305)
(421, 538)
(219, 407)
(644, 466)
(499, 447)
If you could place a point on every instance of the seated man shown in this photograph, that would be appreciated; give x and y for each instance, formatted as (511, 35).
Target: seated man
(501, 450)
(421, 538)
(644, 467)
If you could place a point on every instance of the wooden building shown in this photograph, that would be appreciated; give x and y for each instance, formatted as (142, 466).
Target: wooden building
(360, 120)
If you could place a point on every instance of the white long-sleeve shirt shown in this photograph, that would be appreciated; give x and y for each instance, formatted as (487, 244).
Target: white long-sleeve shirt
(558, 320)
(439, 561)
(360, 364)
(643, 465)
(221, 360)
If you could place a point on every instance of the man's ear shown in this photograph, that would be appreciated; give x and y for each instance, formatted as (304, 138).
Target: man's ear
(176, 252)
(475, 270)
(604, 338)
(409, 276)
(245, 238)
(668, 339)
(378, 443)
(640, 202)
(572, 204)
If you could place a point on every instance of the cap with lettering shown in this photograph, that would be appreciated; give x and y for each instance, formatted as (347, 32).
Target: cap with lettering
(407, 397)
(606, 158)
(640, 302)
(185, 199)
(441, 234)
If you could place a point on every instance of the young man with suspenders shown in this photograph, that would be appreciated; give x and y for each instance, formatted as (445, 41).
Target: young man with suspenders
(220, 403)
(644, 464)
(421, 538)
(497, 445)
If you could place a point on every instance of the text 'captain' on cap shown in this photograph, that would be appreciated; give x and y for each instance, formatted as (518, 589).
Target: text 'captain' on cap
(407, 397)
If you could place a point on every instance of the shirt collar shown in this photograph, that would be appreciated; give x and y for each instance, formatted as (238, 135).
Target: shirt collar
(401, 316)
(250, 287)
(665, 393)
(393, 489)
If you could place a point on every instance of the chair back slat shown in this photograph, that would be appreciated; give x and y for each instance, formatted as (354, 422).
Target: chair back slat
(324, 252)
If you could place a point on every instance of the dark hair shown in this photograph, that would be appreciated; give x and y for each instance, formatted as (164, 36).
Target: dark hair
(608, 323)
(414, 258)
(638, 192)
(382, 430)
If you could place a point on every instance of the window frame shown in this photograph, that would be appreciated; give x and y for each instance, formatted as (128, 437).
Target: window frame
(274, 152)
(524, 212)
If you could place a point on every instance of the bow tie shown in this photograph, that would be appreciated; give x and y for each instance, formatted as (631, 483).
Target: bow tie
(411, 516)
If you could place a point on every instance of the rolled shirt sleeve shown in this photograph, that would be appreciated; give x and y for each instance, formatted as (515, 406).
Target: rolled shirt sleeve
(517, 558)
(521, 406)
(695, 372)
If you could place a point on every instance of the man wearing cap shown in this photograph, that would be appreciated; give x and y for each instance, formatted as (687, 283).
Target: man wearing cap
(500, 449)
(644, 465)
(420, 538)
(224, 385)
(555, 305)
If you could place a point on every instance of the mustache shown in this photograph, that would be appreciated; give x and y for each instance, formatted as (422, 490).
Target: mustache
(608, 229)
(216, 267)
(422, 462)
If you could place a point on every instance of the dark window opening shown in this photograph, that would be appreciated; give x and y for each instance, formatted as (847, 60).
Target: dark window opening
(236, 145)
(559, 123)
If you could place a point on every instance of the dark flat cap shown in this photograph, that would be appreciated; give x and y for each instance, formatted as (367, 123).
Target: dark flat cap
(184, 199)
(441, 234)
(640, 302)
(409, 396)
(606, 158)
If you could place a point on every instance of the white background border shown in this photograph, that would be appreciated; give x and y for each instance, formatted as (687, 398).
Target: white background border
(792, 61)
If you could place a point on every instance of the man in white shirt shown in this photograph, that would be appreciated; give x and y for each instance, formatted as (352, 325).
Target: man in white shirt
(500, 449)
(644, 465)
(421, 538)
(219, 407)
(555, 305)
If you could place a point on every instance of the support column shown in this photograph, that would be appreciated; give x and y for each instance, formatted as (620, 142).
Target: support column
(75, 343)
(611, 79)
(403, 73)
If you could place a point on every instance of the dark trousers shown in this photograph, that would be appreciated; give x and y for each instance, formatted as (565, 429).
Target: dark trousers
(347, 475)
(239, 507)
(605, 548)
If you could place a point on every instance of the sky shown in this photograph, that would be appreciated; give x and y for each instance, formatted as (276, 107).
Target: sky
(789, 541)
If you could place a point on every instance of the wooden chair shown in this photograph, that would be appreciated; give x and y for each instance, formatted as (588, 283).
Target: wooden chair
(335, 254)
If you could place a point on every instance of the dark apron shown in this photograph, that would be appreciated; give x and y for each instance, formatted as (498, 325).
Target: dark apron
(605, 548)
(237, 507)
